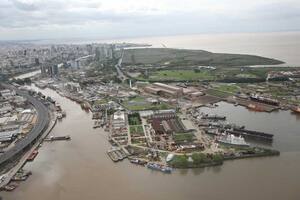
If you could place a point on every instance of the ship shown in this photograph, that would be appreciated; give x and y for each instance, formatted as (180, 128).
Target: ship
(213, 117)
(230, 139)
(264, 100)
(255, 107)
(254, 134)
(32, 155)
(295, 109)
(54, 138)
(138, 161)
(158, 167)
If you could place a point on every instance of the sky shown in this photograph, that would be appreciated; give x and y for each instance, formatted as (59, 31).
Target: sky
(109, 19)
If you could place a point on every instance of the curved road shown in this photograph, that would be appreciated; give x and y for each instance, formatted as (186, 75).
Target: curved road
(43, 120)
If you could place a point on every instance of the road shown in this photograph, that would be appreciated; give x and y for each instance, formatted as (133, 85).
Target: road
(40, 126)
(121, 75)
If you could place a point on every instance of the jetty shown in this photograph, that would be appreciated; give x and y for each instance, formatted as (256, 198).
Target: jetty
(116, 154)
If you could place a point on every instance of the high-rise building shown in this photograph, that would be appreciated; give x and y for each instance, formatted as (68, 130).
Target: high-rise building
(43, 70)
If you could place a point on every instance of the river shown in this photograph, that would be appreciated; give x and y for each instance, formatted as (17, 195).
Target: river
(80, 169)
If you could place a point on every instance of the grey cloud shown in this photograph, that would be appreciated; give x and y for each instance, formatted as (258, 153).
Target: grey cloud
(17, 15)
(24, 6)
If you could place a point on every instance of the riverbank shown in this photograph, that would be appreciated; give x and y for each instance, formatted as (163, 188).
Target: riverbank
(54, 167)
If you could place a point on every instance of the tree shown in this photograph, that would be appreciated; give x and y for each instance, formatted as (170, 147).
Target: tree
(180, 161)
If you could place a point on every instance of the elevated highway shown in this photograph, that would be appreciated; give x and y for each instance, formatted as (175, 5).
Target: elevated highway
(41, 125)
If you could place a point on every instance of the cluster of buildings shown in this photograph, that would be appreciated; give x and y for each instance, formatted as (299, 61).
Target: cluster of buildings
(17, 118)
(21, 58)
(286, 74)
(165, 90)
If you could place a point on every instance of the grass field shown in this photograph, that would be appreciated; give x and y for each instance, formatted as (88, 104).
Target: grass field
(217, 93)
(181, 75)
(227, 88)
(136, 130)
(184, 57)
(140, 103)
(134, 119)
(183, 137)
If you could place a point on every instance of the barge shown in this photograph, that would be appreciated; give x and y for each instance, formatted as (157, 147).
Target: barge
(256, 134)
(159, 167)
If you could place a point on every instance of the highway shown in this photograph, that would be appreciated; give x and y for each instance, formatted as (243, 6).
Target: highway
(121, 75)
(43, 120)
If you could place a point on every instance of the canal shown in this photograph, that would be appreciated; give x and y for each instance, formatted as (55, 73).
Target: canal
(80, 169)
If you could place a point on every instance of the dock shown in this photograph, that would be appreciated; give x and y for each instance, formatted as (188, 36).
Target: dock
(116, 154)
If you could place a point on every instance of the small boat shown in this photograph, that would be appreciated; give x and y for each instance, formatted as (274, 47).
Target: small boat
(59, 116)
(32, 155)
(169, 157)
(64, 114)
(10, 187)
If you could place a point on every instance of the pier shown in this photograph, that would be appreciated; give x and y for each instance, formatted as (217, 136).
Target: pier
(116, 154)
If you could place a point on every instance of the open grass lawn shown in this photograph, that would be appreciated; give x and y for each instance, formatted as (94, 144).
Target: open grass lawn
(139, 103)
(136, 130)
(218, 93)
(183, 137)
(185, 57)
(181, 75)
(134, 119)
(228, 88)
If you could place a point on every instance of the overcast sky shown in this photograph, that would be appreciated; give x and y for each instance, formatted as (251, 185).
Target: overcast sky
(107, 19)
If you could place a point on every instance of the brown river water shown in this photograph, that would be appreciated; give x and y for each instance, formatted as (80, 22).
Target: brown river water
(80, 169)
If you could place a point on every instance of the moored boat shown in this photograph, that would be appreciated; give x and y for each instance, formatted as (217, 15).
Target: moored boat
(255, 107)
(138, 161)
(159, 167)
(32, 155)
(230, 139)
(296, 109)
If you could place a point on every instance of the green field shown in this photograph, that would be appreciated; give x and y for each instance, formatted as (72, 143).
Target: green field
(181, 75)
(217, 93)
(134, 119)
(231, 88)
(140, 103)
(136, 130)
(183, 137)
(185, 57)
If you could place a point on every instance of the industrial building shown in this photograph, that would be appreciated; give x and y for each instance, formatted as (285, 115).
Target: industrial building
(119, 120)
(164, 90)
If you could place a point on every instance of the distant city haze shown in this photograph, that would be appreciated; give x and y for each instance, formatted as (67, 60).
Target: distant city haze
(107, 19)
